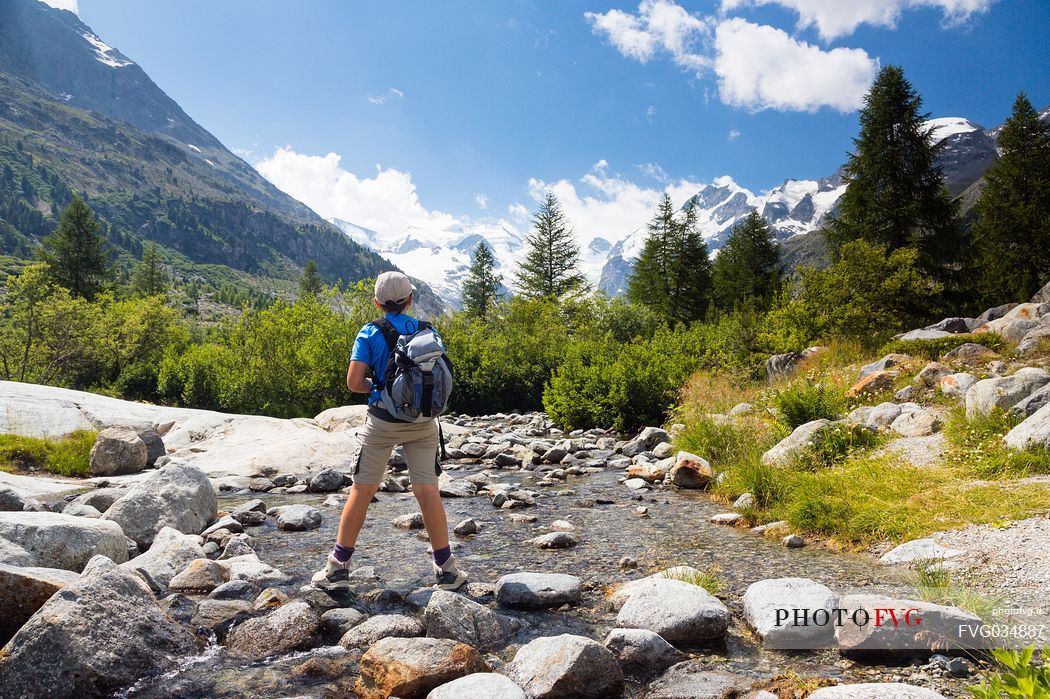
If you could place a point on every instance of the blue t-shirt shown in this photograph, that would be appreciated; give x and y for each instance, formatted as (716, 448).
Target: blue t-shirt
(370, 347)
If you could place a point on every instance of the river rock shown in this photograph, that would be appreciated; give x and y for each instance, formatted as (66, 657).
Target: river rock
(99, 498)
(412, 521)
(1004, 392)
(918, 550)
(875, 690)
(170, 552)
(117, 451)
(219, 615)
(939, 627)
(227, 523)
(178, 495)
(765, 598)
(482, 685)
(381, 626)
(677, 610)
(340, 620)
(566, 667)
(554, 540)
(201, 575)
(693, 680)
(11, 500)
(786, 449)
(916, 423)
(449, 487)
(537, 590)
(646, 440)
(155, 448)
(24, 590)
(957, 385)
(642, 653)
(690, 471)
(649, 471)
(467, 527)
(253, 570)
(81, 511)
(449, 615)
(62, 541)
(235, 590)
(290, 627)
(98, 634)
(327, 481)
(14, 555)
(299, 518)
(411, 667)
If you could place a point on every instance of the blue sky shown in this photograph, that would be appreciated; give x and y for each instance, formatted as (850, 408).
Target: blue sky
(462, 111)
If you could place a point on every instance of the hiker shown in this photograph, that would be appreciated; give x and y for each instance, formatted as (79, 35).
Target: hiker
(395, 417)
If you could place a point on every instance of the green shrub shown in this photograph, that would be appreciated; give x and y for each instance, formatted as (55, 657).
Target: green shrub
(138, 381)
(834, 445)
(935, 349)
(768, 484)
(803, 401)
(976, 446)
(1018, 677)
(66, 456)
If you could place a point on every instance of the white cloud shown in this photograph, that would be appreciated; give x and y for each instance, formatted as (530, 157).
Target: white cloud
(387, 203)
(70, 5)
(761, 67)
(659, 25)
(733, 134)
(654, 171)
(481, 200)
(391, 94)
(650, 113)
(519, 212)
(835, 18)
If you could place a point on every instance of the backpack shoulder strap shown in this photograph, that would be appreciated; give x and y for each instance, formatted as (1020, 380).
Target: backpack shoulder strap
(390, 333)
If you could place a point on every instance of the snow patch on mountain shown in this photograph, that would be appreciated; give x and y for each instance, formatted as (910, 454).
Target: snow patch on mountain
(944, 127)
(104, 53)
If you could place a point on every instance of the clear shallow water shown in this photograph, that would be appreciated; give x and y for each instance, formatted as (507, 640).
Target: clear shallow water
(677, 532)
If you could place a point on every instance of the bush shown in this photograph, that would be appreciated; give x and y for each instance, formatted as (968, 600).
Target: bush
(977, 448)
(66, 456)
(834, 445)
(803, 401)
(138, 381)
(935, 349)
(1018, 677)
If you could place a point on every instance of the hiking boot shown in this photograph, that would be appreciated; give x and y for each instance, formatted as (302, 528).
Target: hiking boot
(334, 576)
(449, 576)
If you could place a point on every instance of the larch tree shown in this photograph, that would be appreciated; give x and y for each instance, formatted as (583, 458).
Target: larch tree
(75, 252)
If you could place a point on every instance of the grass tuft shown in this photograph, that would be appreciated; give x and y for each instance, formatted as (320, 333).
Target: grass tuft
(976, 447)
(935, 584)
(709, 578)
(803, 401)
(66, 456)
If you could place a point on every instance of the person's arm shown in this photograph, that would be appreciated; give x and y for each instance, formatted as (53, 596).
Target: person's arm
(356, 380)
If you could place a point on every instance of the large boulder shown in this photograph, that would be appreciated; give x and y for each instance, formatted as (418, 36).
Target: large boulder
(410, 667)
(1033, 433)
(769, 609)
(343, 418)
(691, 472)
(694, 680)
(25, 590)
(646, 440)
(449, 615)
(968, 353)
(1042, 296)
(786, 449)
(916, 423)
(11, 500)
(875, 690)
(537, 590)
(923, 334)
(178, 495)
(170, 552)
(1017, 322)
(957, 385)
(566, 667)
(14, 555)
(875, 382)
(118, 451)
(98, 634)
(642, 653)
(483, 685)
(290, 627)
(1004, 392)
(677, 610)
(876, 625)
(918, 550)
(1035, 337)
(299, 518)
(1031, 405)
(782, 366)
(62, 541)
(884, 364)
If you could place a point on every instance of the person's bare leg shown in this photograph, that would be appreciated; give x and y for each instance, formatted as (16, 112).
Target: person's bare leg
(354, 511)
(429, 499)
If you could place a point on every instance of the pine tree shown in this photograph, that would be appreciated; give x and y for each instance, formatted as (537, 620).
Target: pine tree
(75, 253)
(551, 265)
(895, 193)
(481, 288)
(748, 265)
(310, 284)
(149, 278)
(1012, 232)
(673, 273)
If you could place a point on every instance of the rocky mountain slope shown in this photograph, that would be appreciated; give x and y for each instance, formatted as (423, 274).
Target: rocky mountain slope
(77, 116)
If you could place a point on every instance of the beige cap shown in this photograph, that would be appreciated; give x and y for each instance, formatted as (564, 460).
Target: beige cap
(393, 287)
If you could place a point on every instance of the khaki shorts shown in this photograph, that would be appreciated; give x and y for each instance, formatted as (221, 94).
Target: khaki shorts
(378, 438)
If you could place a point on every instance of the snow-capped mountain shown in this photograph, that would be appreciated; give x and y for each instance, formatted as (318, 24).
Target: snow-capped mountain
(794, 208)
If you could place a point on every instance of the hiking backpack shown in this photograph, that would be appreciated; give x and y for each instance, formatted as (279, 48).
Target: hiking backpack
(418, 379)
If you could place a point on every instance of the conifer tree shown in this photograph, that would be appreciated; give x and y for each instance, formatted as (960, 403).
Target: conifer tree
(310, 284)
(1012, 232)
(551, 265)
(747, 266)
(895, 193)
(149, 278)
(481, 288)
(673, 272)
(75, 252)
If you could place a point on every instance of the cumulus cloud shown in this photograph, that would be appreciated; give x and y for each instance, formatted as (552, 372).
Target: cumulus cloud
(391, 94)
(835, 18)
(70, 5)
(653, 170)
(387, 203)
(660, 25)
(481, 200)
(519, 212)
(762, 67)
